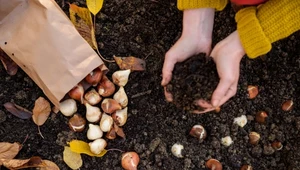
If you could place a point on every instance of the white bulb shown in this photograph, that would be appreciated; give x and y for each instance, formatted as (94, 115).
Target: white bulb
(177, 150)
(226, 141)
(241, 121)
(68, 107)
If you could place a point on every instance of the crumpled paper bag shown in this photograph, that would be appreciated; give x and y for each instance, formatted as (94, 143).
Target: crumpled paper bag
(41, 39)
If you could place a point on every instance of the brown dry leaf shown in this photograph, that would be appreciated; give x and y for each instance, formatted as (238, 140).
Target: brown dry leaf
(82, 20)
(132, 63)
(33, 162)
(17, 110)
(41, 111)
(10, 66)
(49, 165)
(72, 159)
(9, 150)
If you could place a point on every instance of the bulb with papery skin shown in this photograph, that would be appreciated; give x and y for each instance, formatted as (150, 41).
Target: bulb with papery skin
(93, 113)
(120, 77)
(109, 105)
(106, 122)
(130, 160)
(106, 87)
(94, 132)
(94, 76)
(98, 145)
(120, 116)
(77, 93)
(92, 97)
(121, 97)
(68, 107)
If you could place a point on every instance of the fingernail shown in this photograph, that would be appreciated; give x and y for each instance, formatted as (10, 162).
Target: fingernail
(215, 103)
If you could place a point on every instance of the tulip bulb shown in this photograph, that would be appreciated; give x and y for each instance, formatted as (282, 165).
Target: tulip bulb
(226, 141)
(121, 97)
(106, 122)
(109, 105)
(93, 113)
(94, 132)
(130, 160)
(120, 116)
(77, 123)
(92, 97)
(94, 77)
(77, 92)
(106, 87)
(97, 146)
(120, 77)
(111, 134)
(68, 107)
(177, 150)
(240, 121)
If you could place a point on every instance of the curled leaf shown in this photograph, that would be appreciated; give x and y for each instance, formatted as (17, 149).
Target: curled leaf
(132, 63)
(72, 159)
(10, 66)
(9, 150)
(79, 146)
(41, 111)
(49, 165)
(17, 110)
(94, 5)
(33, 162)
(82, 20)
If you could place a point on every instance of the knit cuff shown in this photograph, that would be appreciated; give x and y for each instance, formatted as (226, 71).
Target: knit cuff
(192, 4)
(252, 36)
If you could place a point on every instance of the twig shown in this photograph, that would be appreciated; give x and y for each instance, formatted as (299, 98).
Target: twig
(141, 94)
(115, 150)
(25, 139)
(40, 133)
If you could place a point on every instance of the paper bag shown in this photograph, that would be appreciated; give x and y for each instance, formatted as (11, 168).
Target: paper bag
(41, 39)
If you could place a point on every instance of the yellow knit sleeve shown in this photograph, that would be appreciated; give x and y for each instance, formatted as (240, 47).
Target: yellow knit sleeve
(191, 4)
(258, 27)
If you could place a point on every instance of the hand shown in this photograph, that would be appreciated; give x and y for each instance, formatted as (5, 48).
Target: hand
(195, 39)
(227, 55)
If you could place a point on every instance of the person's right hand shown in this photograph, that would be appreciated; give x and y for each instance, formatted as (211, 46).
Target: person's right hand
(196, 38)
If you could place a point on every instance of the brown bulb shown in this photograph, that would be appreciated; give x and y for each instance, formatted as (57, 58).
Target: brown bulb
(111, 134)
(94, 77)
(254, 138)
(106, 87)
(261, 116)
(109, 105)
(246, 167)
(252, 91)
(287, 105)
(277, 145)
(199, 132)
(77, 93)
(213, 164)
(130, 160)
(77, 123)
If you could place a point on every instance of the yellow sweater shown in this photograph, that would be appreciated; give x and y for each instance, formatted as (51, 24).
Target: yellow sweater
(260, 26)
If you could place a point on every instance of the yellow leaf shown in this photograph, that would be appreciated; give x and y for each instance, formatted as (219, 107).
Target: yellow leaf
(82, 20)
(72, 159)
(79, 146)
(94, 5)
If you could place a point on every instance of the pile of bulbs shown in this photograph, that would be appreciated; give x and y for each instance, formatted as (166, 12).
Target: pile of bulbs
(106, 108)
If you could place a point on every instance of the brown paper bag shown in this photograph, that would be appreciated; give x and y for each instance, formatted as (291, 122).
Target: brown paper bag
(41, 39)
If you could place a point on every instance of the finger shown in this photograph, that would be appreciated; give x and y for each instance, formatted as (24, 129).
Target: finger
(168, 95)
(230, 93)
(167, 70)
(220, 91)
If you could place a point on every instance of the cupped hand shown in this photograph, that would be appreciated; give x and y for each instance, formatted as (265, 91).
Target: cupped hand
(227, 55)
(195, 39)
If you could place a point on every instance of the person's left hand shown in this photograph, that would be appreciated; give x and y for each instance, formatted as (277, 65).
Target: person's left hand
(227, 55)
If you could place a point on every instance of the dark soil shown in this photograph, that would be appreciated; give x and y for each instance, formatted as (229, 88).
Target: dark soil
(147, 29)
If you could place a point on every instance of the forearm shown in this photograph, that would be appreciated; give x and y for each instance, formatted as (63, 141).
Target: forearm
(258, 27)
(192, 4)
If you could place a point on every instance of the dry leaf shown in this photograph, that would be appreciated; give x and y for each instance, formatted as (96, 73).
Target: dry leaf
(79, 146)
(49, 165)
(41, 111)
(132, 63)
(33, 162)
(10, 66)
(72, 159)
(81, 18)
(17, 110)
(94, 5)
(9, 150)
